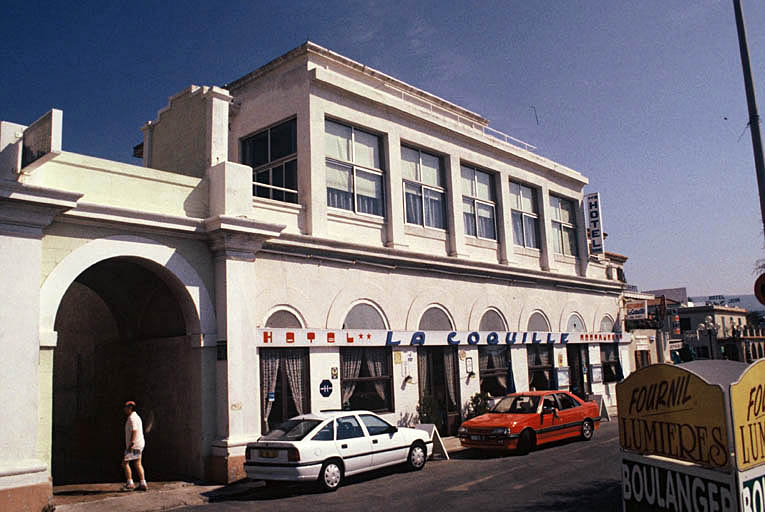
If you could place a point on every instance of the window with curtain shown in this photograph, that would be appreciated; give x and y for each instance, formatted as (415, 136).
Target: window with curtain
(424, 188)
(540, 362)
(354, 169)
(563, 226)
(366, 378)
(478, 204)
(609, 358)
(494, 362)
(284, 384)
(272, 154)
(525, 215)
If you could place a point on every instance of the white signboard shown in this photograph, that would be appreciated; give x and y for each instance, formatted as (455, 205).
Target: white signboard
(636, 310)
(364, 338)
(594, 222)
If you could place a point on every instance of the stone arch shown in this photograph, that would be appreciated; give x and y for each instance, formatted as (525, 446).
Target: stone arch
(440, 308)
(427, 298)
(524, 325)
(373, 294)
(483, 304)
(131, 310)
(198, 309)
(291, 298)
(376, 308)
(279, 308)
(604, 318)
(571, 308)
(604, 310)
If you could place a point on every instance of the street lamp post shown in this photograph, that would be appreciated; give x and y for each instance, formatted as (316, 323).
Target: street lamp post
(710, 329)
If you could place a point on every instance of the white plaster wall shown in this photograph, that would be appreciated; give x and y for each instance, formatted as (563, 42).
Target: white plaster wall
(323, 359)
(406, 395)
(19, 257)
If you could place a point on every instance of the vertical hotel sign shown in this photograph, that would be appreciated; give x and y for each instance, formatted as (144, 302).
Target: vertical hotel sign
(747, 398)
(594, 222)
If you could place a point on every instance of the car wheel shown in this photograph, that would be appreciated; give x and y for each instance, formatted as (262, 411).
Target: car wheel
(331, 475)
(417, 457)
(588, 430)
(526, 442)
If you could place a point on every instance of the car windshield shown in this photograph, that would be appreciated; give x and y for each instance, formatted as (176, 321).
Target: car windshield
(518, 404)
(291, 430)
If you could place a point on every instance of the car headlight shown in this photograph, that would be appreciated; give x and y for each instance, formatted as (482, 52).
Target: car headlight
(461, 430)
(501, 431)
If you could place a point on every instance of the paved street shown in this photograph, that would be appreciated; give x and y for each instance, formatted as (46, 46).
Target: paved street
(568, 476)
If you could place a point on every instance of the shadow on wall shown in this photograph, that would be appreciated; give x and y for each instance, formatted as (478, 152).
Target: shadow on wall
(408, 419)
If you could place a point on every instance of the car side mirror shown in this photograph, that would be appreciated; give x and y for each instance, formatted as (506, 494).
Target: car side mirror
(391, 430)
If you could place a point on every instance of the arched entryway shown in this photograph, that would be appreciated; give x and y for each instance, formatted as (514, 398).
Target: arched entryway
(125, 330)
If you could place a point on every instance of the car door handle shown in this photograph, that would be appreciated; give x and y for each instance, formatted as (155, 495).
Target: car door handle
(374, 441)
(343, 446)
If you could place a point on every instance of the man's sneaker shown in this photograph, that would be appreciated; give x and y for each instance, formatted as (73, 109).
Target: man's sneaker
(143, 487)
(127, 488)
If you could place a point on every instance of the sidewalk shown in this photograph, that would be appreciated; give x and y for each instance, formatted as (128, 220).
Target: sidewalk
(161, 495)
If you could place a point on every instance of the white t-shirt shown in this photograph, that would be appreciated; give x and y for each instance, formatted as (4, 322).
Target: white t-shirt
(132, 423)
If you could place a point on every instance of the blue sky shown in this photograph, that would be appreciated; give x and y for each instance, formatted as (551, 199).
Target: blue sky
(646, 99)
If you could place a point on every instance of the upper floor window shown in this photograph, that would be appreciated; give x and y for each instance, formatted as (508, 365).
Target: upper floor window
(478, 203)
(272, 154)
(523, 202)
(354, 169)
(424, 194)
(563, 226)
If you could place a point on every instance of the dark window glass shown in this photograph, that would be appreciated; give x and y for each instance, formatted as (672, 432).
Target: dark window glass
(256, 150)
(327, 433)
(291, 430)
(566, 402)
(366, 378)
(348, 428)
(374, 424)
(272, 154)
(283, 140)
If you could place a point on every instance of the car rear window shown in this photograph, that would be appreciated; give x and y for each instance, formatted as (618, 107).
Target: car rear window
(291, 430)
(519, 404)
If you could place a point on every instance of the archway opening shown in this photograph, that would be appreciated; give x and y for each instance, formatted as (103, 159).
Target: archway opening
(123, 334)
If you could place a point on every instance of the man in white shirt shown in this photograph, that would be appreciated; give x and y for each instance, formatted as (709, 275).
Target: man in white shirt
(134, 444)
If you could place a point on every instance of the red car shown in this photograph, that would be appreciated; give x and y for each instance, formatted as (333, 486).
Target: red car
(522, 421)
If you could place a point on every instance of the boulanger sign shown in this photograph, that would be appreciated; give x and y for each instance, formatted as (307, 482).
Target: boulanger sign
(362, 337)
(668, 411)
(649, 484)
(747, 397)
(752, 490)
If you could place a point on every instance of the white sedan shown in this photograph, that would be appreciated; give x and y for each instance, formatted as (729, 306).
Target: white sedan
(328, 446)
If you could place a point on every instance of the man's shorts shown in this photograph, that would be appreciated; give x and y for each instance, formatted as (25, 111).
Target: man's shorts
(132, 454)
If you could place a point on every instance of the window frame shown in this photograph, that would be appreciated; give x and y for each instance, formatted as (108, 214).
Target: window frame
(272, 164)
(532, 369)
(354, 167)
(492, 373)
(475, 201)
(556, 220)
(424, 186)
(612, 375)
(390, 397)
(517, 209)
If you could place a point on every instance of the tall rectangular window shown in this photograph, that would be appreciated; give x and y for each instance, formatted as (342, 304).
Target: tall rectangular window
(525, 213)
(272, 154)
(424, 188)
(478, 203)
(540, 362)
(609, 358)
(354, 169)
(366, 378)
(563, 226)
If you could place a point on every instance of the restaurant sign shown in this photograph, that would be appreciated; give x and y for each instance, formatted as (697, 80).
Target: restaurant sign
(363, 337)
(747, 397)
(668, 411)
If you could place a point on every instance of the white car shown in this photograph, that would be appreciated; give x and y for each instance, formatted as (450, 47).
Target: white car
(328, 446)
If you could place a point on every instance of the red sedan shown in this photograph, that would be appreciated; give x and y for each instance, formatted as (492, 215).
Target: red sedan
(522, 421)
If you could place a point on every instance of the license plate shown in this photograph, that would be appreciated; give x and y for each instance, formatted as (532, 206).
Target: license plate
(268, 454)
(476, 438)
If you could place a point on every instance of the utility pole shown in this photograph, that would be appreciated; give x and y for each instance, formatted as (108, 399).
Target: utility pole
(754, 117)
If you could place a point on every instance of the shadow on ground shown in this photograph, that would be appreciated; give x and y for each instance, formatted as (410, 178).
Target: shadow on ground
(602, 495)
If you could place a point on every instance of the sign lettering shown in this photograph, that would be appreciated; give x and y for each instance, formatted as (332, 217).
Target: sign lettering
(748, 404)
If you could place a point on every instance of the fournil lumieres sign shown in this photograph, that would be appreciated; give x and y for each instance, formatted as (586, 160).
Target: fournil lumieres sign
(363, 337)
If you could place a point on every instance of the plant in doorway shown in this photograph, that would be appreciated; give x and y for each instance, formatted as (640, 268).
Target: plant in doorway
(427, 409)
(479, 404)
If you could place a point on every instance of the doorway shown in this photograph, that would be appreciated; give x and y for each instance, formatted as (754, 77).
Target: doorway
(122, 335)
(439, 388)
(285, 393)
(578, 362)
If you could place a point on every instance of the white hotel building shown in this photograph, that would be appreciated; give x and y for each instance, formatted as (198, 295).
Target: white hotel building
(310, 196)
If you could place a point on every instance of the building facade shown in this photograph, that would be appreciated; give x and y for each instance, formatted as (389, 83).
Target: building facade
(312, 197)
